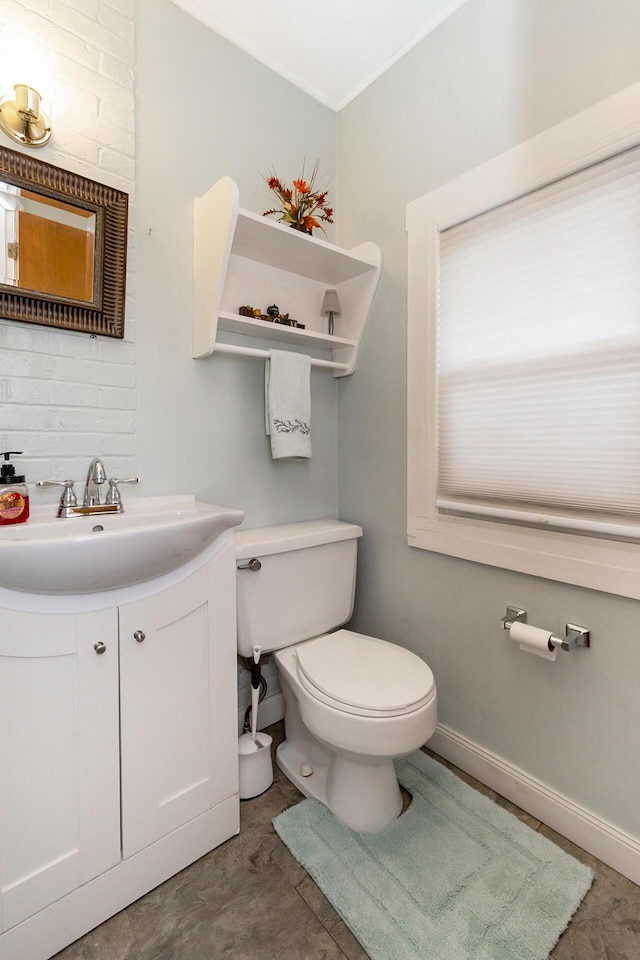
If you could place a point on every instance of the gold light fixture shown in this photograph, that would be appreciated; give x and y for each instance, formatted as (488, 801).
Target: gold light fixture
(22, 119)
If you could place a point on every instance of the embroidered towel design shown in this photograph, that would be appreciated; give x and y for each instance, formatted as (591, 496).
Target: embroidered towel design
(288, 404)
(287, 426)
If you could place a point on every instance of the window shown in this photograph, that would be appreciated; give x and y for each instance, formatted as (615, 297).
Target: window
(524, 356)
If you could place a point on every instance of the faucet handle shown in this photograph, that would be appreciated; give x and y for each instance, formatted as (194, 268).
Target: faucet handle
(67, 498)
(113, 494)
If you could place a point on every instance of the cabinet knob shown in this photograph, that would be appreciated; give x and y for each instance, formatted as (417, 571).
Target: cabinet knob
(139, 636)
(99, 647)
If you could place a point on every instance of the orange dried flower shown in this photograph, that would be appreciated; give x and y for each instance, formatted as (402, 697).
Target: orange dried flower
(302, 207)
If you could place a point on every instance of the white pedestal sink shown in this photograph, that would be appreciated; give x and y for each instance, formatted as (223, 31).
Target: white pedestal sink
(80, 555)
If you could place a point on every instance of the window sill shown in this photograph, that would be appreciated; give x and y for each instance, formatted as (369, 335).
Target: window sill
(594, 563)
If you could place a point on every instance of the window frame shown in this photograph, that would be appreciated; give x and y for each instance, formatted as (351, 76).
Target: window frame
(589, 137)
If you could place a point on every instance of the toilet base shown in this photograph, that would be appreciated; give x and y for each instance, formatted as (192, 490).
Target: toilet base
(291, 757)
(364, 795)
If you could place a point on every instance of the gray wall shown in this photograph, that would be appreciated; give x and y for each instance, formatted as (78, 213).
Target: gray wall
(205, 109)
(495, 74)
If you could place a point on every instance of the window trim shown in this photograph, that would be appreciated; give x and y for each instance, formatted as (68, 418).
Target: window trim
(595, 134)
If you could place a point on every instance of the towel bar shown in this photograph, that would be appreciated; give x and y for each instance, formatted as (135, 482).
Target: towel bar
(255, 352)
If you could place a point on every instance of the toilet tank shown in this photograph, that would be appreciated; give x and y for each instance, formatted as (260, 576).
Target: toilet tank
(305, 585)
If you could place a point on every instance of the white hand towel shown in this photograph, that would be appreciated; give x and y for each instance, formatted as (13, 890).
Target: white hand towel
(287, 381)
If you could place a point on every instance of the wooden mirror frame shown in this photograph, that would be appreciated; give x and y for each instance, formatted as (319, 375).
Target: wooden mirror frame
(104, 315)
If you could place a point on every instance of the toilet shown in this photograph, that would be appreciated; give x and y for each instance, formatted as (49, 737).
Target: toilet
(353, 703)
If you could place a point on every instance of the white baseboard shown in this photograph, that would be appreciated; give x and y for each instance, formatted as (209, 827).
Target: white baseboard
(605, 841)
(270, 711)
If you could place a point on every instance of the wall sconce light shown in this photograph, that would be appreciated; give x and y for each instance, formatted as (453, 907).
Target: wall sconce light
(330, 307)
(22, 119)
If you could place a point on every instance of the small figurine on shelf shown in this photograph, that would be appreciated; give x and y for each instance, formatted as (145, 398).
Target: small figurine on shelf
(331, 307)
(272, 315)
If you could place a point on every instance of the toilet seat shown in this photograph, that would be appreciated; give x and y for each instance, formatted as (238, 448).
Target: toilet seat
(363, 676)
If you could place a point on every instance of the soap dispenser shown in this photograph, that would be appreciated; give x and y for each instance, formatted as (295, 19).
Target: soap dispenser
(14, 493)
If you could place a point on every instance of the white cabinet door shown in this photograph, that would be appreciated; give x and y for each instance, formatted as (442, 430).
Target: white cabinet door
(59, 763)
(178, 703)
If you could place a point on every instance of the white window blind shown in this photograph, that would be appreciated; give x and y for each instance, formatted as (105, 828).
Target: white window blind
(538, 369)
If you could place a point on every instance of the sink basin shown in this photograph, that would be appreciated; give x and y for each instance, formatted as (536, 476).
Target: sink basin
(96, 553)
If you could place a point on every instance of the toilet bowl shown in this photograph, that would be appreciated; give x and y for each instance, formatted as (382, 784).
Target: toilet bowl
(349, 729)
(353, 703)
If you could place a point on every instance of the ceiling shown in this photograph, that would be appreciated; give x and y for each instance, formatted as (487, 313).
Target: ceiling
(332, 50)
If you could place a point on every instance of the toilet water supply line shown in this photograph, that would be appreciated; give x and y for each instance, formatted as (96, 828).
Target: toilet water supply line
(247, 663)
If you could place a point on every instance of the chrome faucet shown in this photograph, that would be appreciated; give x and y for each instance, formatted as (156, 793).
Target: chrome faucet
(95, 476)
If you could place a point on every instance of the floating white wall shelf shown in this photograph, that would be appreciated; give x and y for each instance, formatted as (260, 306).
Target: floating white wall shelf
(243, 258)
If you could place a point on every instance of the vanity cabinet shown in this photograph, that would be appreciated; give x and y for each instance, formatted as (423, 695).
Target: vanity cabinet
(118, 747)
(242, 258)
(59, 756)
(178, 719)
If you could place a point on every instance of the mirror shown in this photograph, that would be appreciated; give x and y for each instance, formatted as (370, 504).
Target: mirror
(63, 245)
(49, 246)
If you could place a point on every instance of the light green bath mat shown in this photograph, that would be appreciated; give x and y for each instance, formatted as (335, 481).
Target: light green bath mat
(456, 877)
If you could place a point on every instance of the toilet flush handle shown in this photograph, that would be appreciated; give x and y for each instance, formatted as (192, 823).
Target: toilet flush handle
(254, 565)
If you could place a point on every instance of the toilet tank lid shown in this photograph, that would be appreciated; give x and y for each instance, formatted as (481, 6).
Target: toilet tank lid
(263, 541)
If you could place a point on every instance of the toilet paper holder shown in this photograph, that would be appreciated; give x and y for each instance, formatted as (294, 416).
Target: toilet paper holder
(575, 635)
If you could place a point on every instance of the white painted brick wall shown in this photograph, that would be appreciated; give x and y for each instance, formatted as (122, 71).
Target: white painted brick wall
(66, 397)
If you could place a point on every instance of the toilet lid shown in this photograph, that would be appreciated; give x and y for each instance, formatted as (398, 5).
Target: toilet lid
(364, 673)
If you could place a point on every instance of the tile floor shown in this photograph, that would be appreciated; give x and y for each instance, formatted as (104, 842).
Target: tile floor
(250, 900)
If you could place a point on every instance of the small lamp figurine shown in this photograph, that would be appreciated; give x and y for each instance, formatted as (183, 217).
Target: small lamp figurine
(330, 307)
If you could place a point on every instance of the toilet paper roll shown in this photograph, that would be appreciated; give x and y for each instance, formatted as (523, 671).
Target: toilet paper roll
(533, 640)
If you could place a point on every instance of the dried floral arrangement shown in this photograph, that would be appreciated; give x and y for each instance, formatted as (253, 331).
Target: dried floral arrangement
(303, 206)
